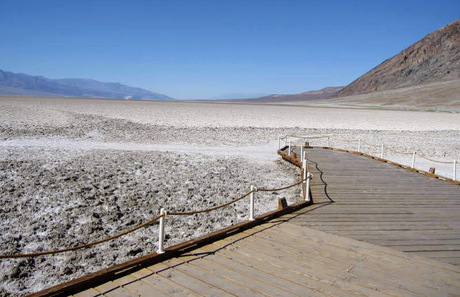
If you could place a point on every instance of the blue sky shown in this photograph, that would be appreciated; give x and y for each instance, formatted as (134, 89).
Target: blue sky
(213, 49)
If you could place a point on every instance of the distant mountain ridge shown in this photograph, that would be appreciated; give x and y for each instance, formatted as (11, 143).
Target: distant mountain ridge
(432, 59)
(28, 85)
(324, 93)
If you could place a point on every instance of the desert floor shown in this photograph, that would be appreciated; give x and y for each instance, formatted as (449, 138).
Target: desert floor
(78, 170)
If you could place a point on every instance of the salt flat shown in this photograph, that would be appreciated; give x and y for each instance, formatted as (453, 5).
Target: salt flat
(78, 170)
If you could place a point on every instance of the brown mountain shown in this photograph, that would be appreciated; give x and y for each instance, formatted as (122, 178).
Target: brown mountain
(434, 58)
(324, 93)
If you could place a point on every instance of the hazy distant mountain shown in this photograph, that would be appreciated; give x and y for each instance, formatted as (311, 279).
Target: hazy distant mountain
(28, 85)
(325, 93)
(434, 58)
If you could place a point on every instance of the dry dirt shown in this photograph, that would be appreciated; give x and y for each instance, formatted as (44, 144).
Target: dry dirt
(78, 170)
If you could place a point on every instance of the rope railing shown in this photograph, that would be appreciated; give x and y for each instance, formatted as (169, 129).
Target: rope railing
(381, 146)
(160, 217)
(396, 151)
(83, 245)
(436, 161)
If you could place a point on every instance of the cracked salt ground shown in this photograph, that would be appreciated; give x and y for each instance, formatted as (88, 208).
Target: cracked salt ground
(98, 193)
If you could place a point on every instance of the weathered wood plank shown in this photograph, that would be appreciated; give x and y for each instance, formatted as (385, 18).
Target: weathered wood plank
(376, 202)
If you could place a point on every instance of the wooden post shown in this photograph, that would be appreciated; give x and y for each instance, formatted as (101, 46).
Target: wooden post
(328, 142)
(282, 204)
(413, 159)
(382, 151)
(289, 152)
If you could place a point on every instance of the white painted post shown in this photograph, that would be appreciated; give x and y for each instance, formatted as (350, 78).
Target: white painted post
(161, 235)
(381, 153)
(413, 159)
(304, 167)
(251, 204)
(289, 152)
(328, 142)
(359, 146)
(301, 153)
(307, 187)
(455, 170)
(279, 143)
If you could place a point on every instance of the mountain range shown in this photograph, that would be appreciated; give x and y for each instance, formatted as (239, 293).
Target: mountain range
(434, 58)
(425, 66)
(28, 85)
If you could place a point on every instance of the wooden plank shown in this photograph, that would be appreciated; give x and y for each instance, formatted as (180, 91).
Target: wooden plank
(300, 275)
(365, 191)
(337, 277)
(88, 293)
(161, 283)
(191, 283)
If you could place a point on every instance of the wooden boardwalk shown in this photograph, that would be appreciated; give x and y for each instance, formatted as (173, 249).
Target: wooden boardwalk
(383, 204)
(284, 259)
(371, 232)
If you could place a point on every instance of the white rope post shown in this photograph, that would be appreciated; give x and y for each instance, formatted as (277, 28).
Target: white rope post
(413, 159)
(307, 190)
(251, 204)
(289, 152)
(382, 151)
(328, 142)
(161, 235)
(301, 153)
(455, 170)
(359, 146)
(304, 176)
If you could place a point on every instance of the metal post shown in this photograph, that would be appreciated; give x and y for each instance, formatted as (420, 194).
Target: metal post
(413, 159)
(251, 204)
(289, 152)
(161, 235)
(455, 170)
(359, 146)
(381, 153)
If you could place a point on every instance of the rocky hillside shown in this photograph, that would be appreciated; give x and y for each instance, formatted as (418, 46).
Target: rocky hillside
(28, 85)
(434, 58)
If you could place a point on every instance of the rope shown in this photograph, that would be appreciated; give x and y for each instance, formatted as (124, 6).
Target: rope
(346, 140)
(374, 145)
(393, 150)
(284, 188)
(436, 161)
(210, 209)
(83, 245)
(303, 137)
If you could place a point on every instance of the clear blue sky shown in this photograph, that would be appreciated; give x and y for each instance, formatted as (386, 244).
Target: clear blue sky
(213, 49)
